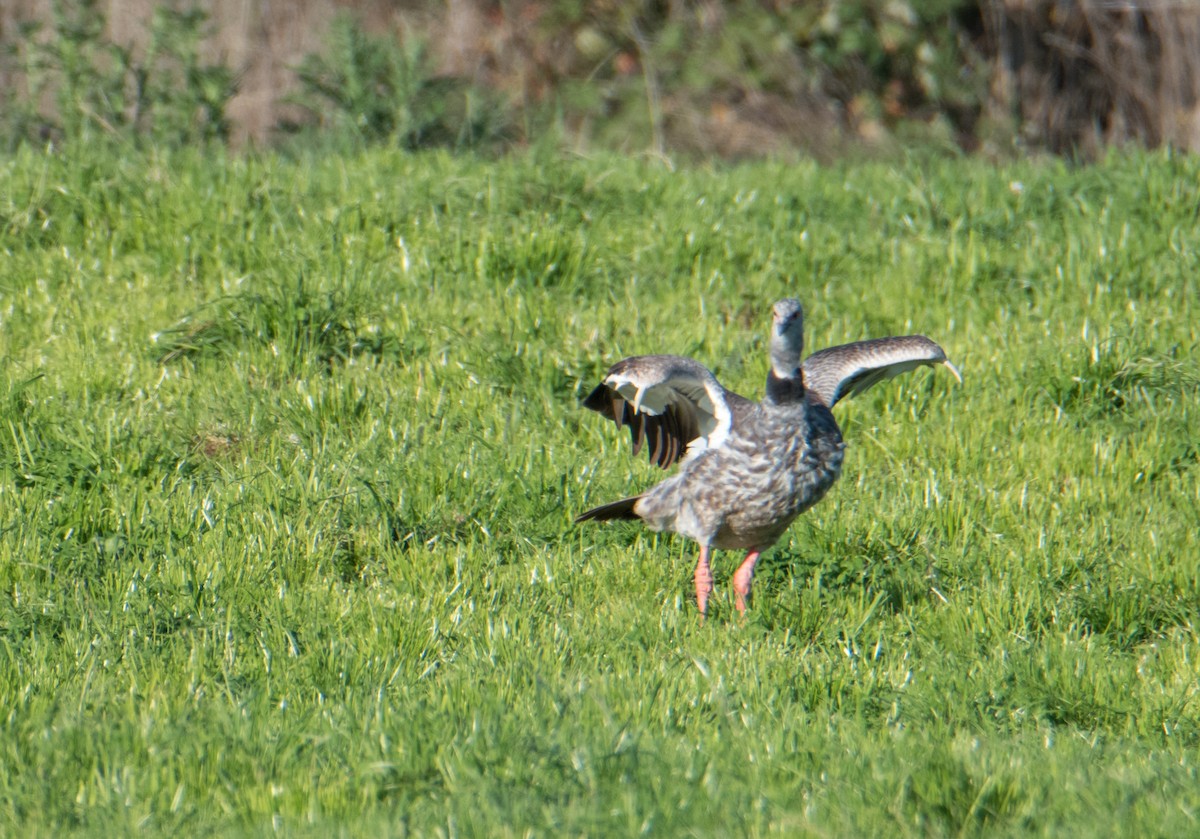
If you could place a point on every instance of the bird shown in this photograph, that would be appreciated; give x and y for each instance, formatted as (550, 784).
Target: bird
(746, 469)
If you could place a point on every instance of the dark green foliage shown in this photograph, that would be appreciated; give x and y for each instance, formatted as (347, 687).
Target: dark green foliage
(382, 89)
(626, 76)
(105, 91)
(775, 65)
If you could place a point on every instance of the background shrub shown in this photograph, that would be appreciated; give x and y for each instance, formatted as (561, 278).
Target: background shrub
(735, 78)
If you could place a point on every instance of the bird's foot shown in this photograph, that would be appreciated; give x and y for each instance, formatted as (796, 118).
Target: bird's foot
(743, 579)
(704, 580)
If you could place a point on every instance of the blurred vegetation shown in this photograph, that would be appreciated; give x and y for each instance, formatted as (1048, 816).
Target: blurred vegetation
(859, 69)
(740, 78)
(163, 93)
(374, 89)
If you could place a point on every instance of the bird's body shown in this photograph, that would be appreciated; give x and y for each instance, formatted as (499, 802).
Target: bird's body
(748, 469)
(745, 493)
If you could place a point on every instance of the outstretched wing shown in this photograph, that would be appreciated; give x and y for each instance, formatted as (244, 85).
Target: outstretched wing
(669, 402)
(850, 369)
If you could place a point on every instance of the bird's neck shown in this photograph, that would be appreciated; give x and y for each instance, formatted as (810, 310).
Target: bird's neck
(786, 389)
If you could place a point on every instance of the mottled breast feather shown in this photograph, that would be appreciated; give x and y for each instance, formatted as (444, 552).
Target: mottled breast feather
(777, 464)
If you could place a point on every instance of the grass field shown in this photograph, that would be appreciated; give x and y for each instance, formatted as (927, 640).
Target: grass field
(290, 451)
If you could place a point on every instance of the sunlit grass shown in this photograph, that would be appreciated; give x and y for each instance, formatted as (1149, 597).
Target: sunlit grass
(290, 450)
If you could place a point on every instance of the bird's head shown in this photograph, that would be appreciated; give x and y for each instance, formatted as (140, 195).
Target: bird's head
(787, 337)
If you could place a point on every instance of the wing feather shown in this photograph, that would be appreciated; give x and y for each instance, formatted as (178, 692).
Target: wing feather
(847, 370)
(669, 403)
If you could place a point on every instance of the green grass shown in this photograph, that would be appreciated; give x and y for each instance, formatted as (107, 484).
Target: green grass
(290, 449)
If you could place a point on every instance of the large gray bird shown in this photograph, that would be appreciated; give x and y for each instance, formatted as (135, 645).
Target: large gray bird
(748, 469)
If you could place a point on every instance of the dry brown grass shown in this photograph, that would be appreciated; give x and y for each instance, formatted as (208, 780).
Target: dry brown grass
(1076, 77)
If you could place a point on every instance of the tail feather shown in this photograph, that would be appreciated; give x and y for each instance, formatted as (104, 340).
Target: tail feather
(622, 509)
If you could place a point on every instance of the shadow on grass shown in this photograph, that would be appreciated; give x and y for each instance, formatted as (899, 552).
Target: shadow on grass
(306, 324)
(1112, 378)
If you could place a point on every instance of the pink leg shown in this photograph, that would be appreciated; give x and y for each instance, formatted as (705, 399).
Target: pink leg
(743, 578)
(704, 583)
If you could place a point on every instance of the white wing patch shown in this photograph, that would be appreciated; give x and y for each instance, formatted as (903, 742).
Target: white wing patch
(659, 381)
